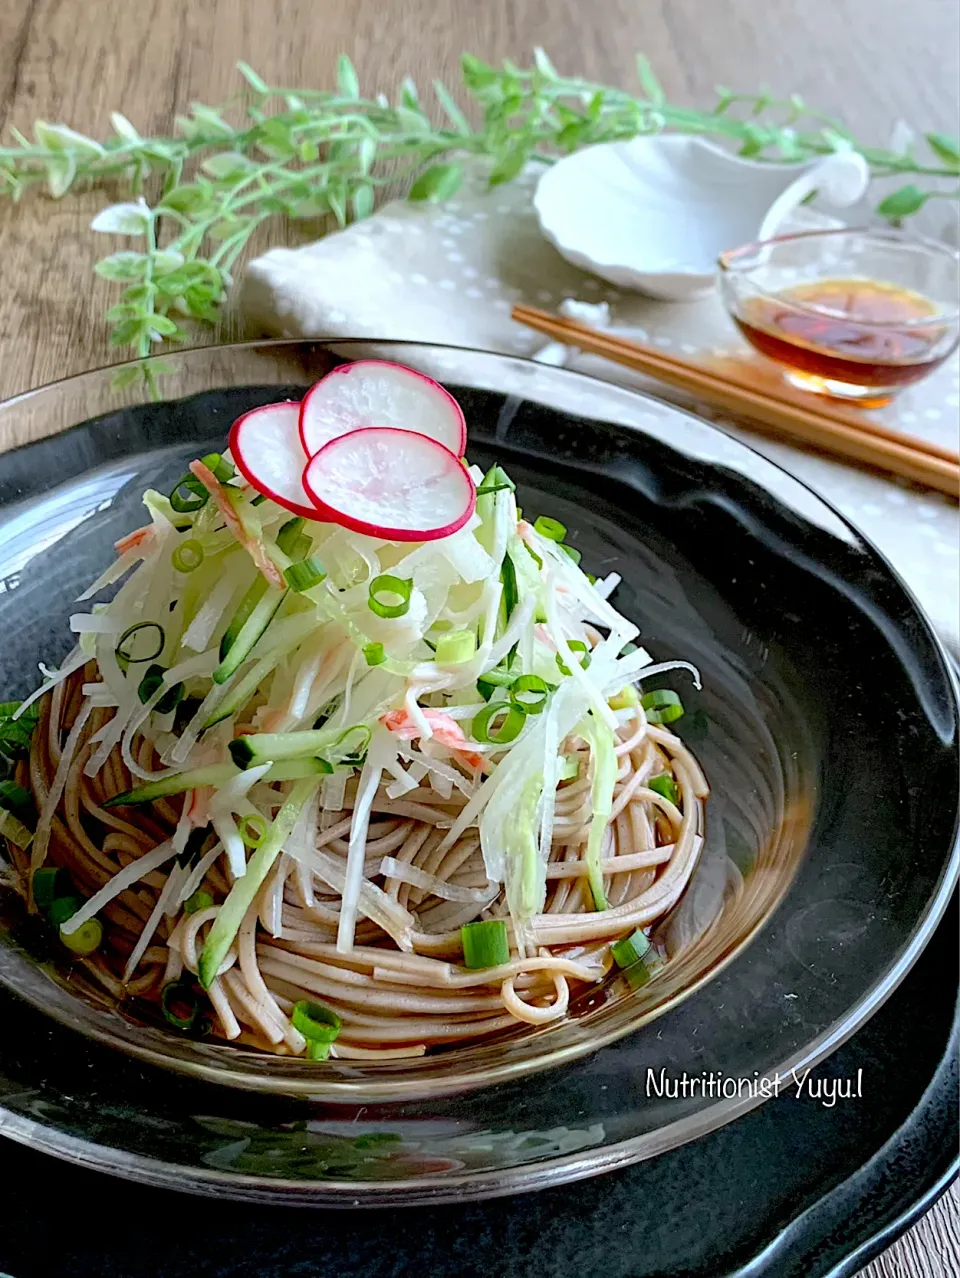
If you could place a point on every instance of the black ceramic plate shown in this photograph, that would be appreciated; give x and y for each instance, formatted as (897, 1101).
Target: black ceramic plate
(827, 724)
(794, 1190)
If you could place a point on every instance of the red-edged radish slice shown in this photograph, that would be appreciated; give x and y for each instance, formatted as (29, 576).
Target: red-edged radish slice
(390, 483)
(372, 392)
(265, 444)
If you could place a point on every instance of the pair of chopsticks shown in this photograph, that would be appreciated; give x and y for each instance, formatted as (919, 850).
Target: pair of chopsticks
(775, 407)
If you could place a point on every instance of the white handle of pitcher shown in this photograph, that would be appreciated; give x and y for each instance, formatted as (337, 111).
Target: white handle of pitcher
(842, 177)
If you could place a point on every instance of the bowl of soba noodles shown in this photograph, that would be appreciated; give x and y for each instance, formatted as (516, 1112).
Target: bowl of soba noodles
(384, 724)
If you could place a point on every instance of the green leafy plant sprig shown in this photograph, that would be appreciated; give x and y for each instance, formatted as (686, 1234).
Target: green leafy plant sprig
(310, 153)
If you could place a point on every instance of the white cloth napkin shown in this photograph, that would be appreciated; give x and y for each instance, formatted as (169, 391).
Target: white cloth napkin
(452, 272)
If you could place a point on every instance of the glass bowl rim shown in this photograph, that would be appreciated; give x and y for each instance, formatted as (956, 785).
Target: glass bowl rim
(559, 1169)
(727, 266)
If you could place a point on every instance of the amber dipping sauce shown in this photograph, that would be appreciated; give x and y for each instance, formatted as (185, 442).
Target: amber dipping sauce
(839, 340)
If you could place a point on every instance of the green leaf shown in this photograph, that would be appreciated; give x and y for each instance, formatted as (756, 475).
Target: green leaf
(123, 219)
(477, 74)
(508, 164)
(210, 120)
(124, 311)
(409, 97)
(347, 81)
(252, 78)
(902, 202)
(126, 331)
(125, 377)
(188, 198)
(366, 154)
(61, 170)
(945, 148)
(162, 324)
(122, 266)
(336, 194)
(361, 201)
(454, 114)
(59, 138)
(649, 82)
(123, 128)
(437, 183)
(544, 65)
(228, 165)
(166, 260)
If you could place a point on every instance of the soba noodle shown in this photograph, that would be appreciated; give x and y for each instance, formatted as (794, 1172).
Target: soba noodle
(392, 1004)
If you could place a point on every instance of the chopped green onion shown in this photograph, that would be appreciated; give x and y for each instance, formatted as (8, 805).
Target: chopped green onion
(494, 481)
(188, 556)
(662, 706)
(485, 944)
(252, 828)
(200, 900)
(221, 469)
(149, 684)
(534, 556)
(666, 786)
(625, 698)
(576, 646)
(63, 908)
(630, 949)
(388, 584)
(493, 679)
(198, 495)
(552, 529)
(17, 800)
(483, 724)
(456, 647)
(530, 685)
(12, 828)
(183, 993)
(289, 533)
(638, 974)
(570, 551)
(49, 883)
(319, 1025)
(374, 654)
(591, 578)
(84, 939)
(130, 631)
(304, 575)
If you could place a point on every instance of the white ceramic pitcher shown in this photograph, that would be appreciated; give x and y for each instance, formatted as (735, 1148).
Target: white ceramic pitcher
(653, 213)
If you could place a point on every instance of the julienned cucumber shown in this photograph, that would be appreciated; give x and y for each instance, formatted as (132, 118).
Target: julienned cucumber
(242, 615)
(251, 630)
(286, 543)
(216, 774)
(248, 751)
(240, 898)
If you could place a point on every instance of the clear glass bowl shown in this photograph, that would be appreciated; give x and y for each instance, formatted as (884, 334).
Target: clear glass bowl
(850, 313)
(826, 725)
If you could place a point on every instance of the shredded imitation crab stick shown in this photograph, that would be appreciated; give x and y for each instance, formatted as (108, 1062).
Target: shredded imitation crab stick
(252, 545)
(446, 732)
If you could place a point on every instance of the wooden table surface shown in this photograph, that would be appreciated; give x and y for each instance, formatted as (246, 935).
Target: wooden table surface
(869, 61)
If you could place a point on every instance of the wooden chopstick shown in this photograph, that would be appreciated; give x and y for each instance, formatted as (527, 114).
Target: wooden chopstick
(788, 412)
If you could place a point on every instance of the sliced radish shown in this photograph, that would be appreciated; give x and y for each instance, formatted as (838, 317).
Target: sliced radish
(372, 392)
(266, 447)
(390, 483)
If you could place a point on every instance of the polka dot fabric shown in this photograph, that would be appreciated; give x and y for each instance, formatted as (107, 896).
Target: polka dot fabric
(452, 272)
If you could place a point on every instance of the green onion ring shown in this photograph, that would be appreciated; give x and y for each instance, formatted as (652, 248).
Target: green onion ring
(509, 730)
(387, 583)
(130, 632)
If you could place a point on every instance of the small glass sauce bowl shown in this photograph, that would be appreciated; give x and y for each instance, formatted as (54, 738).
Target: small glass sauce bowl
(856, 314)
